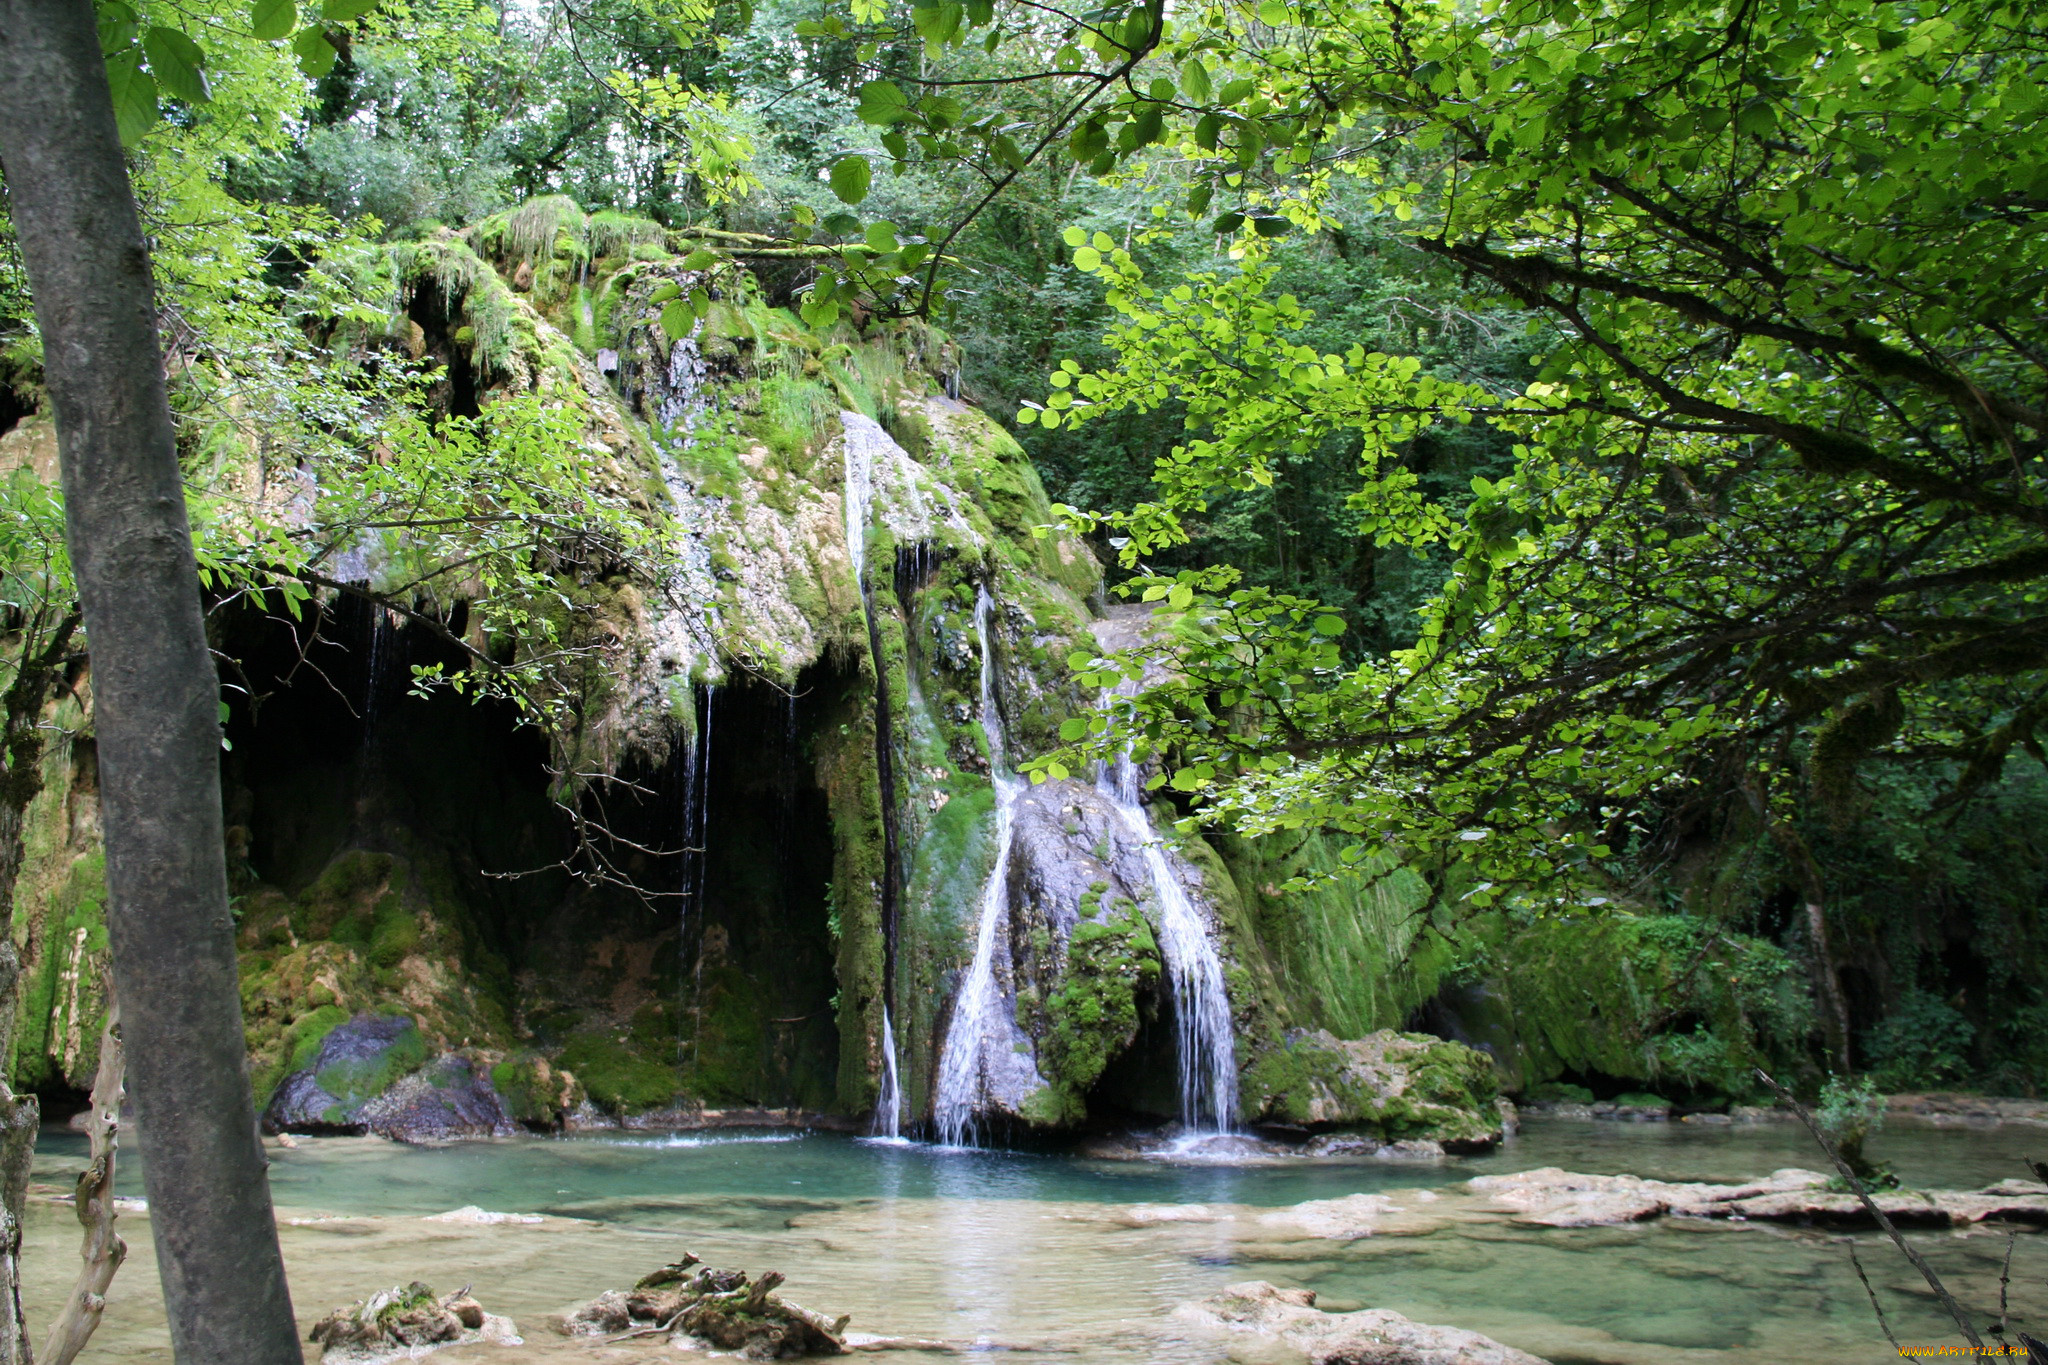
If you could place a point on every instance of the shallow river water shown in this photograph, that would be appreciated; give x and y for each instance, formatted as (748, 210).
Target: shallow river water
(1020, 1255)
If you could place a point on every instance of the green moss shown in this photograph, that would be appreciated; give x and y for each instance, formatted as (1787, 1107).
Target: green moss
(1091, 1012)
(1666, 999)
(354, 1082)
(309, 1031)
(618, 1076)
(534, 1092)
(1395, 1085)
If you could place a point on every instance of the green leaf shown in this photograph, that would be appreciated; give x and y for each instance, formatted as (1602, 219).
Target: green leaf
(1074, 236)
(315, 52)
(1194, 78)
(341, 11)
(134, 91)
(177, 63)
(1074, 728)
(677, 320)
(270, 20)
(850, 178)
(118, 26)
(881, 236)
(700, 302)
(1227, 223)
(665, 291)
(1329, 625)
(703, 258)
(1272, 227)
(882, 102)
(1087, 258)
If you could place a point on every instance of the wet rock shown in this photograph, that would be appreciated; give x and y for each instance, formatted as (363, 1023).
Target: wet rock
(691, 1303)
(405, 1321)
(1550, 1197)
(1942, 1105)
(447, 1100)
(375, 1074)
(1367, 1337)
(1393, 1085)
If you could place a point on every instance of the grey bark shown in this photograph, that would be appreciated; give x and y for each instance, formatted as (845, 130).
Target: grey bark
(155, 693)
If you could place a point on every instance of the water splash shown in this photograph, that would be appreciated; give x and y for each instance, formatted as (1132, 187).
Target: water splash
(966, 1059)
(1207, 1046)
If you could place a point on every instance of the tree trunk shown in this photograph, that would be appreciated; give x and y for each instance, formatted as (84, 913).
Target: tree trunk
(155, 695)
(42, 655)
(102, 1250)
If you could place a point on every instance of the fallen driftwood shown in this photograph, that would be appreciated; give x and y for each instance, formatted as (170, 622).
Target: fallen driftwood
(720, 1308)
(403, 1321)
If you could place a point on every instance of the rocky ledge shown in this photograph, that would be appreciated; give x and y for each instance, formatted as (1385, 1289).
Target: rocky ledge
(1550, 1197)
(1371, 1336)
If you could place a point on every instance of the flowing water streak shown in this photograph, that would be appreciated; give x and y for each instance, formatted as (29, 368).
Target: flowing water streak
(889, 1106)
(1194, 969)
(696, 865)
(860, 502)
(964, 1059)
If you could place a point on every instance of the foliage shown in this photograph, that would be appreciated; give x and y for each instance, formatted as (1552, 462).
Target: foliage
(1922, 1043)
(1849, 1113)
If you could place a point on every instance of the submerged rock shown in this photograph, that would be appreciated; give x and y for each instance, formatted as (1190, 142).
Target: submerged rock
(1550, 1197)
(374, 1074)
(403, 1322)
(1394, 1085)
(687, 1302)
(1372, 1336)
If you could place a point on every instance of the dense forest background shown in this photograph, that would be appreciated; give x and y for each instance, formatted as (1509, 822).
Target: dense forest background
(1880, 826)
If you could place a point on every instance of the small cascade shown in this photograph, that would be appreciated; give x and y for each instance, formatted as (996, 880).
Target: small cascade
(1206, 1046)
(964, 1061)
(696, 864)
(683, 398)
(384, 642)
(889, 1106)
(863, 439)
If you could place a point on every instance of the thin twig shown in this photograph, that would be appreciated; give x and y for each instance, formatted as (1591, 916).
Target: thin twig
(1875, 1307)
(1955, 1310)
(2004, 1279)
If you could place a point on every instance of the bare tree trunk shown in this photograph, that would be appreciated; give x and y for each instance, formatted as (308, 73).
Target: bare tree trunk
(155, 694)
(1827, 986)
(103, 1250)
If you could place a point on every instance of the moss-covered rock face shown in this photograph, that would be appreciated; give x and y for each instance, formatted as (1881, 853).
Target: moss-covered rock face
(1676, 1003)
(1393, 1085)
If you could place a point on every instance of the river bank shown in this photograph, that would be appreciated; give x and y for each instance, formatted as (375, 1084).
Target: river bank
(1036, 1253)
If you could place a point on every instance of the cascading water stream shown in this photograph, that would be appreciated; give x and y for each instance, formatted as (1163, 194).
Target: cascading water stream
(963, 1061)
(863, 439)
(1194, 970)
(696, 866)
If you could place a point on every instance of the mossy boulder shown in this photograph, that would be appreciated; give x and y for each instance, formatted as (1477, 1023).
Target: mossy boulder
(1393, 1085)
(376, 1074)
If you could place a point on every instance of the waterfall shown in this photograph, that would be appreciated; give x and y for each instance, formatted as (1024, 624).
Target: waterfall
(1194, 971)
(696, 866)
(889, 1107)
(863, 439)
(964, 1061)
